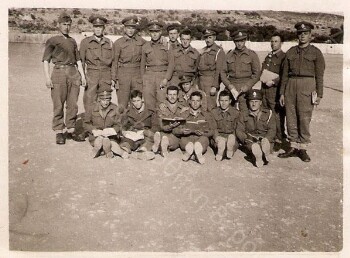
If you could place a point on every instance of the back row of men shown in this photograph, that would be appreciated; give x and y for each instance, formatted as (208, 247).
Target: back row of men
(292, 82)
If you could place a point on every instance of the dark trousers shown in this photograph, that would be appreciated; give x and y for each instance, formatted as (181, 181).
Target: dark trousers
(129, 78)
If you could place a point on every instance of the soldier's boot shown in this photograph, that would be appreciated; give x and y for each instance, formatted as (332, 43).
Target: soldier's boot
(60, 139)
(107, 148)
(220, 141)
(231, 142)
(198, 150)
(164, 145)
(119, 151)
(266, 148)
(304, 156)
(188, 151)
(291, 152)
(96, 150)
(156, 139)
(145, 155)
(256, 150)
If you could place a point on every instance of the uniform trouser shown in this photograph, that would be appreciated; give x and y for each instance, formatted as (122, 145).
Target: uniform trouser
(66, 87)
(173, 140)
(239, 83)
(223, 136)
(152, 93)
(131, 145)
(299, 109)
(203, 140)
(92, 139)
(95, 79)
(205, 84)
(129, 78)
(271, 101)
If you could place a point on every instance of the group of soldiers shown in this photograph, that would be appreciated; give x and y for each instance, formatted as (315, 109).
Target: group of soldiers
(169, 95)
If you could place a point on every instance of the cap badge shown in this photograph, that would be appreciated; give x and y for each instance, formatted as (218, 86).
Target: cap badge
(303, 26)
(240, 34)
(254, 94)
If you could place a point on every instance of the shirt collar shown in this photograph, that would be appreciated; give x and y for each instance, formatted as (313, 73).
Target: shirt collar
(195, 113)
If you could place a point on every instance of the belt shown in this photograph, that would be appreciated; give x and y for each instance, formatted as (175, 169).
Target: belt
(207, 72)
(301, 76)
(157, 68)
(95, 68)
(61, 66)
(129, 65)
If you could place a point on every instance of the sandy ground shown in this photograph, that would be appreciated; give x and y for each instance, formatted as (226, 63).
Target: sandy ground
(62, 200)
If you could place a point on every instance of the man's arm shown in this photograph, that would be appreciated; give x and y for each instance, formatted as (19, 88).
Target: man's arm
(82, 74)
(116, 54)
(47, 74)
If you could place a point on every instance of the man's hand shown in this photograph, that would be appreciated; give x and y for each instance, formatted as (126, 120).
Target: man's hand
(212, 91)
(270, 83)
(83, 82)
(173, 125)
(49, 84)
(282, 101)
(112, 85)
(163, 83)
(317, 102)
(115, 85)
(199, 133)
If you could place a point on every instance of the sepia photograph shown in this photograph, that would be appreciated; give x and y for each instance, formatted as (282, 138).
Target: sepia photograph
(202, 129)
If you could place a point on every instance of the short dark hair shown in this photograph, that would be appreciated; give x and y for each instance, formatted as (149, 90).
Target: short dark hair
(173, 27)
(196, 93)
(225, 93)
(172, 87)
(135, 94)
(278, 34)
(186, 31)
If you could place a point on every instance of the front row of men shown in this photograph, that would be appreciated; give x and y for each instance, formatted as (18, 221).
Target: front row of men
(116, 131)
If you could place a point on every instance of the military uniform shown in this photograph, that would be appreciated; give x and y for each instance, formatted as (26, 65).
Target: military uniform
(96, 56)
(156, 65)
(302, 75)
(273, 62)
(211, 63)
(63, 52)
(176, 44)
(126, 63)
(184, 97)
(241, 70)
(144, 119)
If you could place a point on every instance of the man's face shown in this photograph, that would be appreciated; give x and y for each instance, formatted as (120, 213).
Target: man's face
(98, 30)
(185, 41)
(195, 102)
(224, 102)
(105, 102)
(137, 102)
(254, 104)
(276, 43)
(155, 35)
(240, 44)
(210, 40)
(129, 31)
(186, 86)
(173, 35)
(64, 27)
(304, 37)
(172, 96)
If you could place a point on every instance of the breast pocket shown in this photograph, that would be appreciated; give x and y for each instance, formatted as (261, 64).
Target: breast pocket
(309, 63)
(293, 64)
(106, 51)
(94, 52)
(231, 65)
(246, 65)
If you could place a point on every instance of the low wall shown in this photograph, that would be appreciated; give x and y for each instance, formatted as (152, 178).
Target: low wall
(257, 46)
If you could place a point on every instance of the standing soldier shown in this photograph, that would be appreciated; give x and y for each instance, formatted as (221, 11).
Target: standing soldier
(256, 128)
(65, 79)
(270, 88)
(96, 56)
(301, 89)
(156, 67)
(126, 71)
(211, 62)
(173, 33)
(186, 58)
(241, 69)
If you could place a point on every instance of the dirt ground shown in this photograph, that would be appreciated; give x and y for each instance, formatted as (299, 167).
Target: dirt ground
(60, 199)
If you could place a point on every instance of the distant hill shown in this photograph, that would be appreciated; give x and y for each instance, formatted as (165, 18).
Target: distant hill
(260, 24)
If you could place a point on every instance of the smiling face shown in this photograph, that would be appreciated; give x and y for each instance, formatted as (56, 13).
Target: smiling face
(224, 102)
(64, 27)
(105, 102)
(195, 102)
(172, 96)
(186, 86)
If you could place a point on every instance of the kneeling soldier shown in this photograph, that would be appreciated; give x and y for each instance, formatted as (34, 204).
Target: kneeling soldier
(256, 128)
(168, 110)
(226, 117)
(187, 86)
(195, 133)
(103, 124)
(139, 127)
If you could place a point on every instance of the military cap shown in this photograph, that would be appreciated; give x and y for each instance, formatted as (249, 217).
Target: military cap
(64, 17)
(154, 26)
(173, 27)
(254, 94)
(104, 93)
(209, 32)
(185, 78)
(130, 21)
(98, 20)
(303, 26)
(239, 35)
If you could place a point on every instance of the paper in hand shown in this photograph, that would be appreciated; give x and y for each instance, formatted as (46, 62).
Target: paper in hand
(268, 76)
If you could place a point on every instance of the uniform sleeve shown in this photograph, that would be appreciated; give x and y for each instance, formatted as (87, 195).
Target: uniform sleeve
(82, 52)
(240, 130)
(223, 73)
(256, 70)
(284, 80)
(271, 131)
(76, 51)
(171, 65)
(319, 73)
(212, 125)
(116, 54)
(204, 101)
(143, 61)
(219, 64)
(49, 48)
